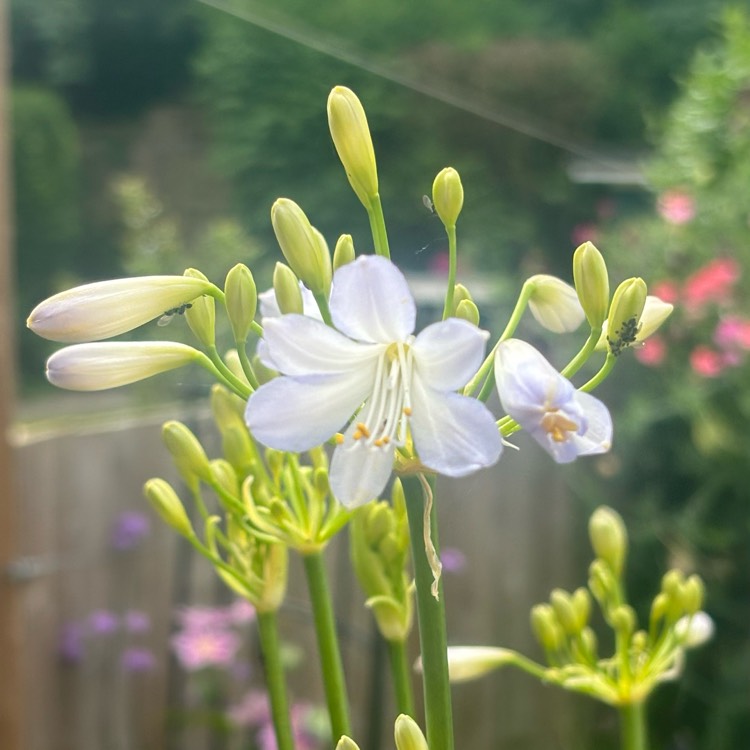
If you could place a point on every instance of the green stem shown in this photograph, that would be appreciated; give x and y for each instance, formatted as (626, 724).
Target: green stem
(448, 309)
(325, 311)
(633, 727)
(240, 388)
(600, 376)
(236, 384)
(247, 366)
(377, 227)
(274, 672)
(328, 645)
(401, 675)
(578, 361)
(432, 630)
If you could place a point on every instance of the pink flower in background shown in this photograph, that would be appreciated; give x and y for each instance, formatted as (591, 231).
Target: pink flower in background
(137, 659)
(453, 559)
(711, 283)
(103, 622)
(241, 612)
(197, 648)
(137, 621)
(191, 618)
(667, 291)
(676, 207)
(652, 351)
(733, 332)
(706, 362)
(251, 711)
(586, 231)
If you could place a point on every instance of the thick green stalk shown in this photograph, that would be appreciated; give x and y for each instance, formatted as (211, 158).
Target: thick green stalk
(377, 227)
(431, 616)
(401, 676)
(328, 644)
(633, 727)
(274, 672)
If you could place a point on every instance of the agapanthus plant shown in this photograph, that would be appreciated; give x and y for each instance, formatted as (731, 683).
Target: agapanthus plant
(331, 392)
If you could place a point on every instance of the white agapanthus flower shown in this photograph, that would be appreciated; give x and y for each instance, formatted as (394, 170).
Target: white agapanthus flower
(372, 374)
(565, 422)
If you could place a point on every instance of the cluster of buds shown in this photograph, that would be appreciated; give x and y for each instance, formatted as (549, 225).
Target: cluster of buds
(642, 659)
(379, 535)
(406, 733)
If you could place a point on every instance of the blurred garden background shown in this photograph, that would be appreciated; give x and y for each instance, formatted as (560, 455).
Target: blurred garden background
(148, 137)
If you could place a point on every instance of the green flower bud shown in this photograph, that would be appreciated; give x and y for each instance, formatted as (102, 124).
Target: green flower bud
(625, 312)
(169, 507)
(639, 641)
(554, 303)
(275, 564)
(566, 615)
(241, 299)
(546, 627)
(659, 607)
(225, 476)
(346, 743)
(303, 246)
(448, 196)
(467, 310)
(351, 137)
(469, 662)
(187, 452)
(227, 408)
(343, 252)
(623, 619)
(581, 601)
(232, 361)
(238, 448)
(408, 735)
(609, 538)
(286, 288)
(693, 594)
(672, 582)
(460, 293)
(589, 642)
(201, 315)
(592, 283)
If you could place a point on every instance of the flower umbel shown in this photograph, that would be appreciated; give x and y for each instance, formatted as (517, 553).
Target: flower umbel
(400, 387)
(564, 421)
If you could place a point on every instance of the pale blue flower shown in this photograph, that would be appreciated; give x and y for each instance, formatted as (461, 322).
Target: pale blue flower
(372, 366)
(565, 422)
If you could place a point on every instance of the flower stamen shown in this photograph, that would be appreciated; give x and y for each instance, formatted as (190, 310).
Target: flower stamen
(557, 426)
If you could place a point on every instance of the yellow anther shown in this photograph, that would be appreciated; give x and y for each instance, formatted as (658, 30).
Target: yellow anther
(357, 435)
(385, 440)
(558, 426)
(378, 442)
(407, 411)
(339, 438)
(362, 428)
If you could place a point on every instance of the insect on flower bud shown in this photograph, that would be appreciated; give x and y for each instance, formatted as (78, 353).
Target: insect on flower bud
(241, 299)
(448, 196)
(591, 282)
(303, 246)
(351, 137)
(623, 322)
(343, 253)
(286, 288)
(166, 503)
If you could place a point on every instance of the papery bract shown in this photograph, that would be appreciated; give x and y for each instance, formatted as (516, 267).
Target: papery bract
(373, 366)
(565, 422)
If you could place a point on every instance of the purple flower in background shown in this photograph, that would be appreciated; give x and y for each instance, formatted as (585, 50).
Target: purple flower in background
(129, 529)
(71, 646)
(137, 659)
(102, 622)
(251, 711)
(453, 559)
(197, 648)
(241, 612)
(137, 621)
(192, 618)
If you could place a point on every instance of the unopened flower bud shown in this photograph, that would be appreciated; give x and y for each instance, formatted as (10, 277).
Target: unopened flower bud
(274, 575)
(351, 137)
(694, 630)
(165, 502)
(201, 315)
(303, 246)
(592, 283)
(187, 452)
(346, 743)
(623, 618)
(625, 313)
(566, 615)
(460, 293)
(343, 252)
(554, 303)
(546, 627)
(655, 312)
(286, 288)
(448, 196)
(99, 366)
(241, 299)
(225, 476)
(672, 582)
(659, 607)
(693, 593)
(108, 308)
(467, 663)
(467, 310)
(581, 601)
(609, 538)
(228, 409)
(408, 735)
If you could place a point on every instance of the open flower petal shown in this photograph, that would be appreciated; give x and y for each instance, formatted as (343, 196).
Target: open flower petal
(296, 414)
(358, 471)
(298, 345)
(453, 434)
(371, 301)
(448, 354)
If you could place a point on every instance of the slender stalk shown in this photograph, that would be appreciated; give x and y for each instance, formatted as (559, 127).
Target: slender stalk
(325, 312)
(600, 376)
(448, 309)
(242, 390)
(247, 366)
(633, 727)
(274, 672)
(377, 227)
(328, 644)
(401, 676)
(432, 629)
(228, 376)
(587, 349)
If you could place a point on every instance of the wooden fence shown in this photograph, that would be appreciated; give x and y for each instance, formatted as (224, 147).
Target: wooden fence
(512, 523)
